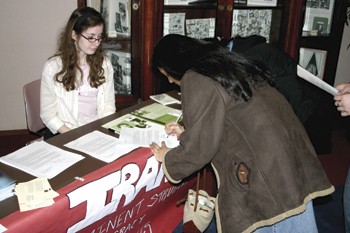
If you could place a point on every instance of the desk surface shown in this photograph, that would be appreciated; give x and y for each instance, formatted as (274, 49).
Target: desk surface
(82, 168)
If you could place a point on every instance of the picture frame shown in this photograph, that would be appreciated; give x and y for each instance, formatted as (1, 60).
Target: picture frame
(318, 17)
(252, 22)
(313, 60)
(117, 15)
(121, 62)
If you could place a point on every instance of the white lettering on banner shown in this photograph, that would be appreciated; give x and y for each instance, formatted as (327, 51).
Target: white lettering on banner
(121, 182)
(115, 223)
(164, 194)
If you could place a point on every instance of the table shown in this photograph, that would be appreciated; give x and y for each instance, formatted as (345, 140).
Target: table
(130, 194)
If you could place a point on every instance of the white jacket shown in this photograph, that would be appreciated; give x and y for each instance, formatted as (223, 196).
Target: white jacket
(59, 107)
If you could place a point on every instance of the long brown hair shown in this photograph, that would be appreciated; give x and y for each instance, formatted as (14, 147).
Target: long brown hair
(80, 20)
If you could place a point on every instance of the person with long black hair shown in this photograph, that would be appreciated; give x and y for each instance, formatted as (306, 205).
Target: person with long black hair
(233, 118)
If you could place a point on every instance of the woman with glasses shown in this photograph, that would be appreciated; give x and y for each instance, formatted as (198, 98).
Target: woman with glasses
(77, 81)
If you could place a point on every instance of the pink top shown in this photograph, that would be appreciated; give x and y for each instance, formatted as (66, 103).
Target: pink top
(87, 99)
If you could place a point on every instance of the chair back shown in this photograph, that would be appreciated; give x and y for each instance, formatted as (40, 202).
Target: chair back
(31, 95)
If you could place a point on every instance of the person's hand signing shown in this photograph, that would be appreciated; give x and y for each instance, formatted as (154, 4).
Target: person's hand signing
(172, 128)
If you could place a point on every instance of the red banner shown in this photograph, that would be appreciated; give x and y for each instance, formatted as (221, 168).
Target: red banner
(130, 194)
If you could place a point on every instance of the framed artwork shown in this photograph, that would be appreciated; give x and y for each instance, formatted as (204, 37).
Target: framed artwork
(117, 15)
(318, 17)
(313, 60)
(121, 62)
(252, 22)
(200, 28)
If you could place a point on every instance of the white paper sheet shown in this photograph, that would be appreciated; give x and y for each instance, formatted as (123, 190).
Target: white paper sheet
(101, 146)
(302, 73)
(144, 137)
(41, 159)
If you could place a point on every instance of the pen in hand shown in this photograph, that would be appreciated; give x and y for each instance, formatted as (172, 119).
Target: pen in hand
(177, 121)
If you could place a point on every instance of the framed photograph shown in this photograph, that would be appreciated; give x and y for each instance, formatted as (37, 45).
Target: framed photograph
(174, 23)
(117, 14)
(313, 60)
(318, 17)
(121, 62)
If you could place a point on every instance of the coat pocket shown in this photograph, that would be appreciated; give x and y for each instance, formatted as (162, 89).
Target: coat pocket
(239, 174)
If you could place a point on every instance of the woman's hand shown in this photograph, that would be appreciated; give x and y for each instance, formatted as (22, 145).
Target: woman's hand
(63, 129)
(343, 104)
(342, 100)
(174, 129)
(159, 151)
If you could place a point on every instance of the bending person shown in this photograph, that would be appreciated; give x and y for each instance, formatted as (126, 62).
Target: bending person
(266, 168)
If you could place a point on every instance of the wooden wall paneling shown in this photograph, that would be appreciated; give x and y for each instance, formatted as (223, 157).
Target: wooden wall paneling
(224, 18)
(149, 9)
(294, 16)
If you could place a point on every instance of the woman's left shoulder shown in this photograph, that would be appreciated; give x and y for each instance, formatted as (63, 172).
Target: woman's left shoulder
(192, 76)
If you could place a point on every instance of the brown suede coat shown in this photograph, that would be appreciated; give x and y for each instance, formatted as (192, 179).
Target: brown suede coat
(261, 138)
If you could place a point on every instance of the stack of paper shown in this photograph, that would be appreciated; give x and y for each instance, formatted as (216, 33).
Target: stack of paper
(7, 184)
(35, 194)
(165, 99)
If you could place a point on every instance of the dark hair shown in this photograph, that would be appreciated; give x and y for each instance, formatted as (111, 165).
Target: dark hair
(80, 20)
(176, 54)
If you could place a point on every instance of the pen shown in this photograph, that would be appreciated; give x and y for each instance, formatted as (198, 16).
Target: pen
(177, 121)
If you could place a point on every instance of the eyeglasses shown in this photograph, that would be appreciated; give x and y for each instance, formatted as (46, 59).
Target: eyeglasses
(92, 39)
